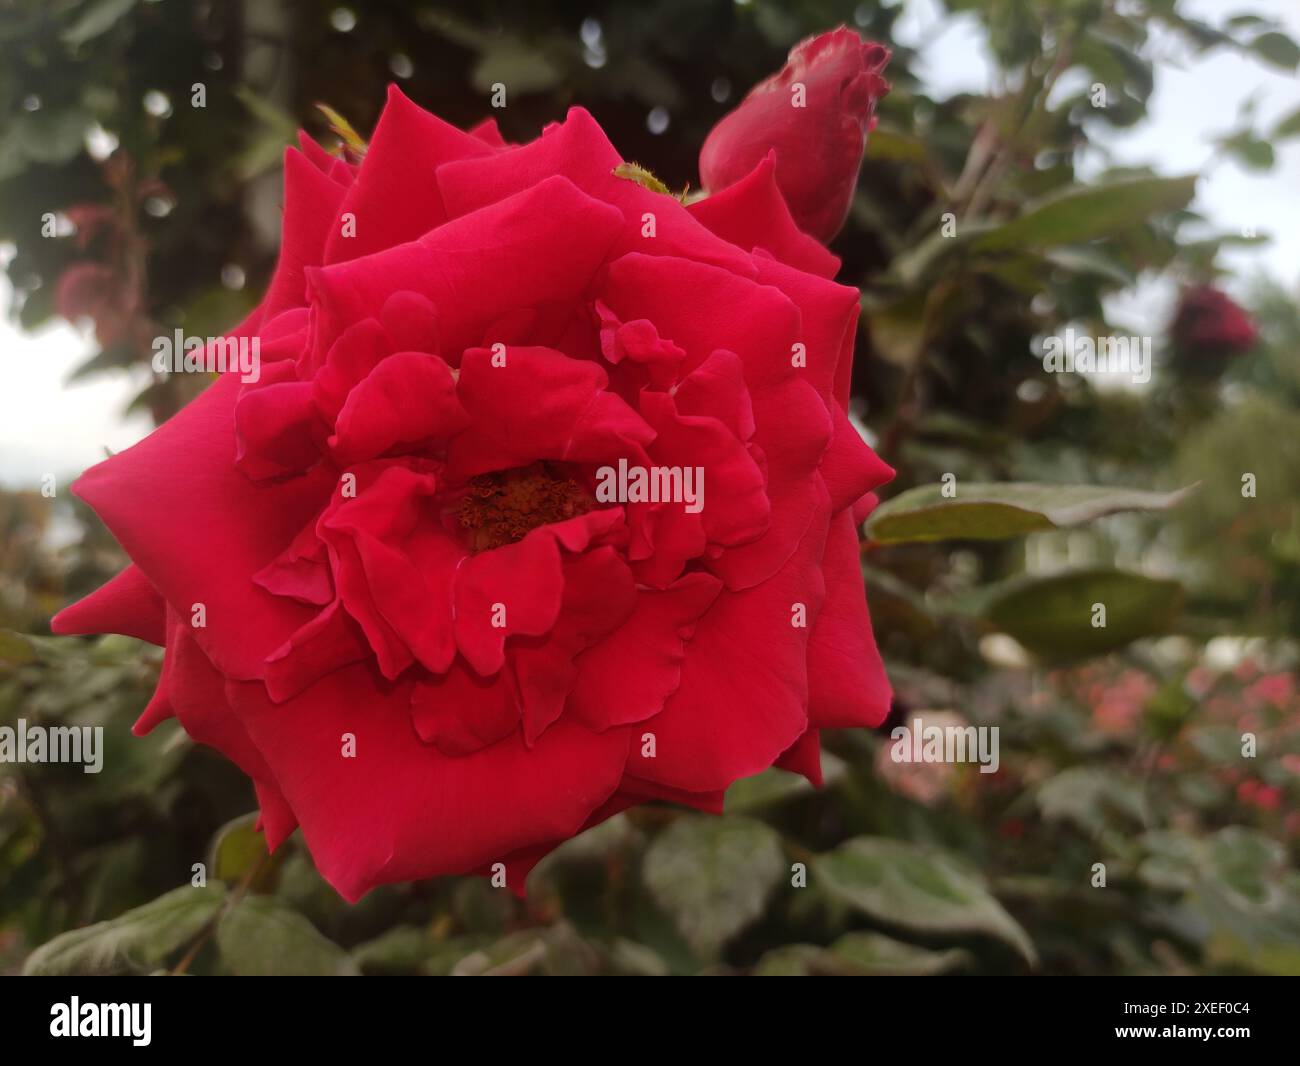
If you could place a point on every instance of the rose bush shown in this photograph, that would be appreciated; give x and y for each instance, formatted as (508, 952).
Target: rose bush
(384, 583)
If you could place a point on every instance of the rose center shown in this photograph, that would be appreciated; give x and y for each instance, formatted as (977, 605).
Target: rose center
(503, 506)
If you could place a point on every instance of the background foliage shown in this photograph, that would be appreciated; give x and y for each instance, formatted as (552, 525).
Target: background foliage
(1120, 746)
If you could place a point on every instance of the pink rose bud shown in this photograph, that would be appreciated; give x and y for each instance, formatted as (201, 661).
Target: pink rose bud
(815, 114)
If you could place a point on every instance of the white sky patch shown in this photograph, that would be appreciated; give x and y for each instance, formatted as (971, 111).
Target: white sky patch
(46, 426)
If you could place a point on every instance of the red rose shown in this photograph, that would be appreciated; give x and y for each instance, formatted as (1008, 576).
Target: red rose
(1210, 321)
(814, 113)
(430, 638)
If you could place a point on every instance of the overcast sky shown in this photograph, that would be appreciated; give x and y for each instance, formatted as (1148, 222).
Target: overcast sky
(46, 427)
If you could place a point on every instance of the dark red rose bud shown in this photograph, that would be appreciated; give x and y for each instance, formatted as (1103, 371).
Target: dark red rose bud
(1209, 321)
(815, 114)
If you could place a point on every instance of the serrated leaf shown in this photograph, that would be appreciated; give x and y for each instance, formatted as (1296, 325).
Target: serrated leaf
(1053, 616)
(1091, 797)
(139, 941)
(1087, 212)
(1246, 864)
(994, 511)
(714, 876)
(1171, 860)
(262, 936)
(859, 955)
(875, 953)
(918, 888)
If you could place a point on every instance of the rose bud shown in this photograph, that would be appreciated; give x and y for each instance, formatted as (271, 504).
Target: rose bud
(814, 114)
(1210, 321)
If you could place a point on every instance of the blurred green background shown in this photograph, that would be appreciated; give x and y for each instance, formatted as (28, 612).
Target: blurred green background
(1121, 746)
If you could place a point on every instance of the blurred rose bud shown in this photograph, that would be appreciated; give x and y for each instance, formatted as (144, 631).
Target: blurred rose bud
(814, 113)
(1209, 322)
(94, 291)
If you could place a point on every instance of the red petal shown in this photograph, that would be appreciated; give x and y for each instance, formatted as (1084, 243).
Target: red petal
(753, 214)
(200, 529)
(628, 675)
(395, 198)
(127, 604)
(401, 810)
(846, 677)
(407, 403)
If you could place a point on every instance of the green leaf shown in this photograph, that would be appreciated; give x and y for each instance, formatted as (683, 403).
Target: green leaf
(96, 18)
(1278, 49)
(262, 936)
(1085, 213)
(772, 787)
(895, 145)
(1091, 259)
(1239, 888)
(1091, 797)
(1249, 150)
(1245, 865)
(237, 849)
(803, 960)
(999, 510)
(402, 949)
(874, 953)
(516, 955)
(859, 955)
(1171, 860)
(53, 136)
(1287, 127)
(1053, 616)
(919, 888)
(714, 876)
(140, 940)
(554, 951)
